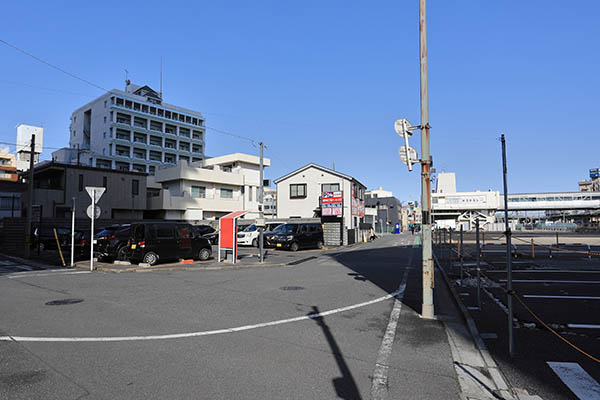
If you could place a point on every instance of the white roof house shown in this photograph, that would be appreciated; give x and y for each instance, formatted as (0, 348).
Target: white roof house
(299, 193)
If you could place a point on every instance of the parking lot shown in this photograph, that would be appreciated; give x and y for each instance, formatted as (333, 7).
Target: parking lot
(556, 311)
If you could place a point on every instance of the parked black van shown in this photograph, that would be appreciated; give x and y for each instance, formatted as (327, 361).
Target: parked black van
(296, 236)
(150, 242)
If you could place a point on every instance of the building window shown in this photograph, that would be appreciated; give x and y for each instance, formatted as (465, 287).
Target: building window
(104, 107)
(249, 193)
(104, 182)
(104, 117)
(227, 193)
(330, 187)
(135, 187)
(80, 182)
(152, 170)
(298, 191)
(198, 192)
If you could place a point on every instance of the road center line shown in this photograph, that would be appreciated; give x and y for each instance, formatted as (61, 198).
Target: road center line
(379, 384)
(200, 333)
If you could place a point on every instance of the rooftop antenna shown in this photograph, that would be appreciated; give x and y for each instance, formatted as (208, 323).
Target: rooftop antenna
(160, 77)
(126, 79)
(334, 165)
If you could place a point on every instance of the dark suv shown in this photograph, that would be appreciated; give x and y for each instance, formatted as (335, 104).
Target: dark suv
(298, 236)
(150, 242)
(112, 242)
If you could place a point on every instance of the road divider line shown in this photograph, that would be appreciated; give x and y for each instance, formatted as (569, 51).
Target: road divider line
(583, 326)
(577, 379)
(33, 275)
(379, 384)
(200, 333)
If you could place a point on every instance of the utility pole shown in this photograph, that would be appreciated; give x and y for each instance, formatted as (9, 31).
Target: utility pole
(29, 216)
(261, 205)
(511, 339)
(73, 234)
(427, 259)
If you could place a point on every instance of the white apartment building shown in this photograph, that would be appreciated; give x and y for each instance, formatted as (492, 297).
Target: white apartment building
(133, 130)
(378, 193)
(206, 189)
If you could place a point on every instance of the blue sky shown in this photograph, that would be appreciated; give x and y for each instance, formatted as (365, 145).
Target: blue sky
(323, 81)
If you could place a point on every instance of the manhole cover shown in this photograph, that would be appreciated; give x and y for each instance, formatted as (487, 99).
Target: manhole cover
(292, 288)
(63, 302)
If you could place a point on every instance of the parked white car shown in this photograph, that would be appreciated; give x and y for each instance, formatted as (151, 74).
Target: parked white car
(249, 236)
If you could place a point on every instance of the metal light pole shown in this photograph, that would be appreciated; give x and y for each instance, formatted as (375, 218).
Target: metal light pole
(92, 230)
(511, 340)
(427, 259)
(73, 234)
(261, 205)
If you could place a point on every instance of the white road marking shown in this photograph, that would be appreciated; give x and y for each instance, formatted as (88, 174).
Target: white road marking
(548, 281)
(540, 296)
(577, 379)
(200, 333)
(583, 326)
(379, 384)
(489, 335)
(32, 275)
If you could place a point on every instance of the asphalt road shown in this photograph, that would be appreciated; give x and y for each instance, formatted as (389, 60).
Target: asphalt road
(331, 356)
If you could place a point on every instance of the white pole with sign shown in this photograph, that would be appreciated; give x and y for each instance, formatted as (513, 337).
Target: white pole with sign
(93, 212)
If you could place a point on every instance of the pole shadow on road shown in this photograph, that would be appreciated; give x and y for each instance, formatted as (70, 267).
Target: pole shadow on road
(345, 385)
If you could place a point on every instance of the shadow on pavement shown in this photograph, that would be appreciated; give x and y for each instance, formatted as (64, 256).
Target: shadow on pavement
(345, 385)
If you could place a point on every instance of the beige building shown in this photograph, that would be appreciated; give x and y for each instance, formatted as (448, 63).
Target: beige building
(206, 189)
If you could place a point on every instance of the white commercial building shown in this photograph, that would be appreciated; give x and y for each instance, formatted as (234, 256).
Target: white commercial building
(133, 130)
(452, 209)
(24, 135)
(206, 189)
(378, 193)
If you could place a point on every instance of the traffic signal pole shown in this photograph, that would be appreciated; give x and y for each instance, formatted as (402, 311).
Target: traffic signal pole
(427, 310)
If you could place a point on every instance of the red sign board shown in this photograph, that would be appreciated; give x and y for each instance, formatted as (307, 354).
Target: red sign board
(332, 203)
(358, 207)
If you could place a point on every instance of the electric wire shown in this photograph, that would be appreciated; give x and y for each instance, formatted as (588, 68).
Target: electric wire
(52, 65)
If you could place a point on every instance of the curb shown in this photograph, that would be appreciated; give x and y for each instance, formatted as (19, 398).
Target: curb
(495, 372)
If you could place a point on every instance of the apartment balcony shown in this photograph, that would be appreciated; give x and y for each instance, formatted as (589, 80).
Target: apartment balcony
(164, 118)
(182, 201)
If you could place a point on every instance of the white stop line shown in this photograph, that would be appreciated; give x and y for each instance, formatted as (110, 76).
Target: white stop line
(201, 333)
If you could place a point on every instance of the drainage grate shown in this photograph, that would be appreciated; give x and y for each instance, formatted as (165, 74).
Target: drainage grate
(301, 261)
(63, 302)
(292, 288)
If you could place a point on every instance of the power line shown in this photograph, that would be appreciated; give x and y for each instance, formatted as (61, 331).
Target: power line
(53, 66)
(44, 88)
(231, 134)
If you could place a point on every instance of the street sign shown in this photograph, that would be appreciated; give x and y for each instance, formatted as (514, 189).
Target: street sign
(95, 192)
(90, 212)
(408, 154)
(403, 127)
